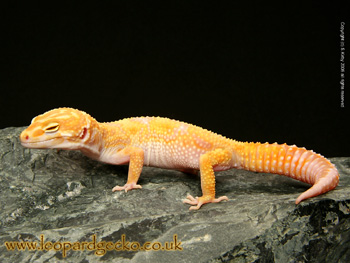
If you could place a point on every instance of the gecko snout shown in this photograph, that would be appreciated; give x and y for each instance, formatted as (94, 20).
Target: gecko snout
(24, 137)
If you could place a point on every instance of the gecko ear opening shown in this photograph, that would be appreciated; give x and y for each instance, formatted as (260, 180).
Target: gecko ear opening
(52, 127)
(83, 133)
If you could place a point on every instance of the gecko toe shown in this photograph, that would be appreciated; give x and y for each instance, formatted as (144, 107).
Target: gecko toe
(126, 187)
(197, 202)
(190, 200)
(221, 198)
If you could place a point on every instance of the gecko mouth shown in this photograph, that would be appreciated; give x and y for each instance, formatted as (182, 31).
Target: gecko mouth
(38, 143)
(43, 144)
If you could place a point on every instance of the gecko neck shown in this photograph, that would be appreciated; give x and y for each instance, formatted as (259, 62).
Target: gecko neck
(93, 144)
(105, 139)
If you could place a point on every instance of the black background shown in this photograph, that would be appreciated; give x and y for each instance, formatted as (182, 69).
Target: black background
(252, 72)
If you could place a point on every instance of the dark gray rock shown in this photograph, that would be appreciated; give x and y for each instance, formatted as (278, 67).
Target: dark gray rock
(67, 198)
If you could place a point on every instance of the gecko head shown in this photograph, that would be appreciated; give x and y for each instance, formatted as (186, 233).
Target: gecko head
(62, 128)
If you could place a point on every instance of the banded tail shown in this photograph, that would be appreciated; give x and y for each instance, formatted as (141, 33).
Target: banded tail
(298, 163)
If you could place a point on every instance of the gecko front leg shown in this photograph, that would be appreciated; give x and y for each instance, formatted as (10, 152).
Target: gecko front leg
(207, 163)
(136, 157)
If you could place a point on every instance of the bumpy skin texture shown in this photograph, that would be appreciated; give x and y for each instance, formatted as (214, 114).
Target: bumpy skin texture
(166, 143)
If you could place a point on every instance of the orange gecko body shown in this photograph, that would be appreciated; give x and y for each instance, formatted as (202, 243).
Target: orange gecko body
(171, 144)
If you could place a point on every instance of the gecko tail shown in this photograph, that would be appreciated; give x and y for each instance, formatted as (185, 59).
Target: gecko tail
(297, 163)
(328, 182)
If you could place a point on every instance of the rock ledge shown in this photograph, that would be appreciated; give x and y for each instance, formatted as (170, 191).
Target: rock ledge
(67, 197)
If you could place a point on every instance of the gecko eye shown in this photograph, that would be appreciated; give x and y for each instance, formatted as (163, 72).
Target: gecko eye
(52, 127)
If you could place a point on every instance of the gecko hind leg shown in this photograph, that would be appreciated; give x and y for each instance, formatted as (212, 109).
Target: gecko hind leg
(207, 163)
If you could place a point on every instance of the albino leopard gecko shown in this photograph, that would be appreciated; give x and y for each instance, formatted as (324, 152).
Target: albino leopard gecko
(166, 143)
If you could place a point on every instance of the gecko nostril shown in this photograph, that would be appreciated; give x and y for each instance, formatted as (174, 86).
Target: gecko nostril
(24, 136)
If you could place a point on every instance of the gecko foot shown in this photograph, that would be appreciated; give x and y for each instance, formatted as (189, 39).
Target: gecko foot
(126, 187)
(199, 201)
